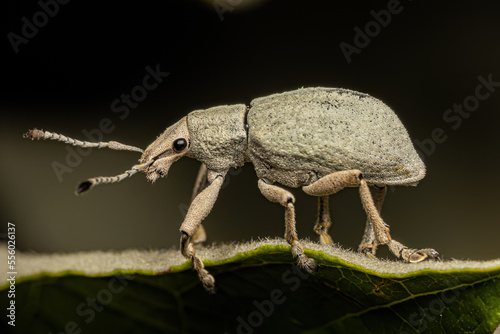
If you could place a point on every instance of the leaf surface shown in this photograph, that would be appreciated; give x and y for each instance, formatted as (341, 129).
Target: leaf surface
(259, 290)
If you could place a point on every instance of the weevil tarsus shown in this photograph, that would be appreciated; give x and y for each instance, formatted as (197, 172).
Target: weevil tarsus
(200, 207)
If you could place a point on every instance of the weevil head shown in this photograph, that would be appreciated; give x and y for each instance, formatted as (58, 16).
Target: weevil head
(169, 147)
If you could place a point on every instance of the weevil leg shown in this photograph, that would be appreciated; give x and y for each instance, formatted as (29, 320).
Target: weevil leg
(200, 235)
(382, 235)
(325, 186)
(279, 195)
(199, 209)
(335, 182)
(368, 245)
(323, 221)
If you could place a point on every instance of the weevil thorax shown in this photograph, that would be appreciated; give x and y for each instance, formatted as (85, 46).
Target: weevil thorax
(169, 147)
(218, 136)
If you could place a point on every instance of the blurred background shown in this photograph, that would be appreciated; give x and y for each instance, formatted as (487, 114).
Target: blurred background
(72, 75)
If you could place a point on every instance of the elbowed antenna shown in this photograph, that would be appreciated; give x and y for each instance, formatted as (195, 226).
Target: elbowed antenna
(41, 134)
(90, 183)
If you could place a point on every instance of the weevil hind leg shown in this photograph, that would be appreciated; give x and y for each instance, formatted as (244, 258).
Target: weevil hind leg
(279, 195)
(377, 232)
(199, 209)
(382, 233)
(323, 221)
(368, 245)
(412, 255)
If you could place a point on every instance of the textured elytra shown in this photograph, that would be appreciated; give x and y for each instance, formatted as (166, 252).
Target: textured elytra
(298, 136)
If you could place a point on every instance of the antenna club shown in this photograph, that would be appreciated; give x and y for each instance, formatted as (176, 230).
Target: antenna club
(34, 134)
(83, 187)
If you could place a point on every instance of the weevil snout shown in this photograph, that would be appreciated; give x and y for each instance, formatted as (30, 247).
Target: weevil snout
(159, 167)
(169, 147)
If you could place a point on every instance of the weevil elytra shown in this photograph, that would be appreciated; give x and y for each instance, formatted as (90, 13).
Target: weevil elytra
(320, 139)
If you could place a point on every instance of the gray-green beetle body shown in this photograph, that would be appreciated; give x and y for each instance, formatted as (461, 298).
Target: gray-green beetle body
(320, 139)
(296, 137)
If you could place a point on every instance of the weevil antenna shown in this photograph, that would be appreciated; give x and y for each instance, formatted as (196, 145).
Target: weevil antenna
(41, 134)
(91, 183)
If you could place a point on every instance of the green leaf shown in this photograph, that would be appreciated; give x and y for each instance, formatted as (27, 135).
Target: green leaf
(259, 290)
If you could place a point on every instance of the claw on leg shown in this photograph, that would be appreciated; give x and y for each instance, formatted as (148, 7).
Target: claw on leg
(189, 252)
(410, 254)
(368, 251)
(382, 233)
(302, 260)
(291, 236)
(206, 279)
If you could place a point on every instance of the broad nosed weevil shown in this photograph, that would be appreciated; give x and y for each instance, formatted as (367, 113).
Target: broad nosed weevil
(320, 139)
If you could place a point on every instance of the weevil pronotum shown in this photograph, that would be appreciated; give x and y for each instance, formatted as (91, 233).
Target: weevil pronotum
(320, 139)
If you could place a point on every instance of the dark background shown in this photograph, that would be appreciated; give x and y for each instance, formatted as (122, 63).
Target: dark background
(65, 78)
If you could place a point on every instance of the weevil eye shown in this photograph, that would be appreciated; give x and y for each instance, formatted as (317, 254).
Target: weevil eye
(180, 144)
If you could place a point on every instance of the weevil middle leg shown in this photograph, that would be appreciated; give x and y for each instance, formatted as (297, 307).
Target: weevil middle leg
(323, 221)
(279, 195)
(337, 181)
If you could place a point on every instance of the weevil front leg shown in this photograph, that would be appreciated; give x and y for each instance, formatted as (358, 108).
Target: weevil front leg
(323, 221)
(279, 195)
(199, 209)
(200, 235)
(368, 245)
(335, 182)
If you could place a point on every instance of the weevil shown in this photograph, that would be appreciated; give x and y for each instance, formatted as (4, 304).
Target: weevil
(319, 139)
